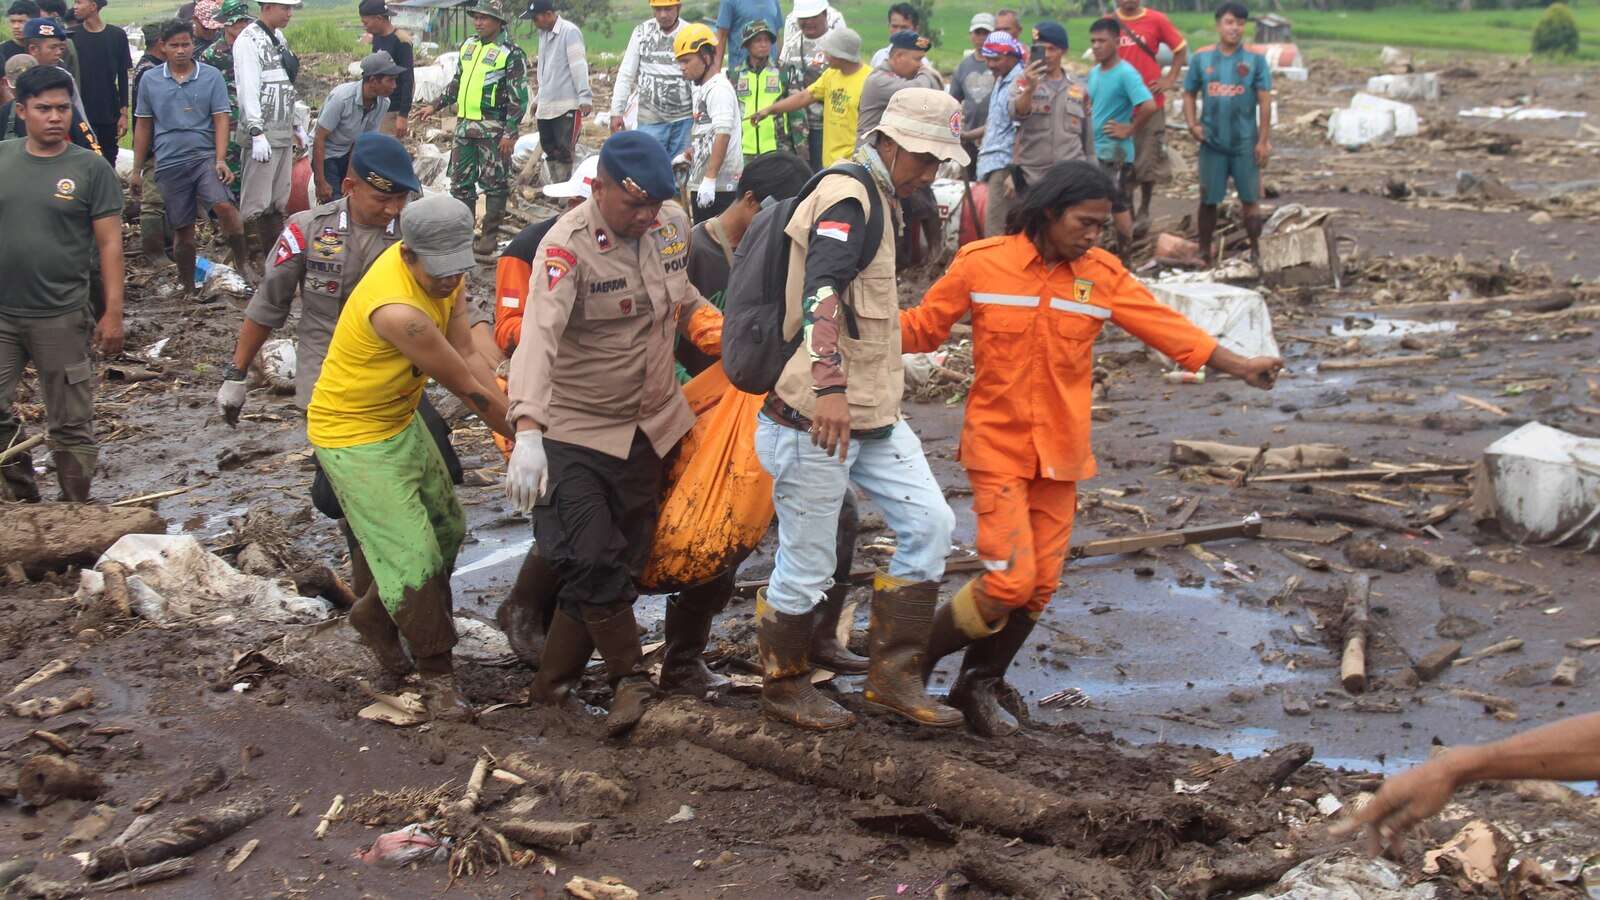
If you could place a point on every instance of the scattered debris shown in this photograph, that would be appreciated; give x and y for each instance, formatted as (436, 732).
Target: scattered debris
(549, 835)
(183, 837)
(1345, 875)
(1501, 708)
(685, 813)
(608, 887)
(242, 854)
(1437, 661)
(1567, 671)
(909, 822)
(1353, 664)
(1478, 853)
(45, 779)
(143, 875)
(1541, 485)
(1237, 317)
(48, 537)
(397, 849)
(1295, 458)
(46, 672)
(1508, 645)
(326, 820)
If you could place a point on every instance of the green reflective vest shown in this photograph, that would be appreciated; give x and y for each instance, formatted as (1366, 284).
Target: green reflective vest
(758, 90)
(483, 68)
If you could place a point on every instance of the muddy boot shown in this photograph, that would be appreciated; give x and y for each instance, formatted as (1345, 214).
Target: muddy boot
(73, 476)
(521, 614)
(616, 635)
(827, 651)
(957, 624)
(567, 648)
(494, 212)
(360, 572)
(683, 665)
(897, 640)
(439, 691)
(787, 693)
(378, 632)
(978, 692)
(17, 474)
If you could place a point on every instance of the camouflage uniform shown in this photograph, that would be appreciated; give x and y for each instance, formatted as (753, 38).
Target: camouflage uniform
(220, 57)
(475, 158)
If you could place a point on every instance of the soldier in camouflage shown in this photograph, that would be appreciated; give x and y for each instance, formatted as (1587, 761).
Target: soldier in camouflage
(234, 15)
(490, 94)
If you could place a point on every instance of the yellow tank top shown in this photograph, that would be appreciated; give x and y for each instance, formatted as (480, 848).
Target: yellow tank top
(369, 390)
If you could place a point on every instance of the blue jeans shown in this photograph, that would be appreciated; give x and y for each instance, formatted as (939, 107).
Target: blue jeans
(808, 489)
(673, 135)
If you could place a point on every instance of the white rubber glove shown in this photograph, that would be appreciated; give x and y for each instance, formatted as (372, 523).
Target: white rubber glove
(301, 136)
(230, 399)
(707, 193)
(528, 473)
(260, 148)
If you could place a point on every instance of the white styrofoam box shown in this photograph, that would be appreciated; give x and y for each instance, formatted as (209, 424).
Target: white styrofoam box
(1406, 121)
(1413, 86)
(1236, 316)
(1546, 485)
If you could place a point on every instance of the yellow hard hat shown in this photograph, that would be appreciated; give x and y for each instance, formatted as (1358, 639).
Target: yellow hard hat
(666, 2)
(692, 37)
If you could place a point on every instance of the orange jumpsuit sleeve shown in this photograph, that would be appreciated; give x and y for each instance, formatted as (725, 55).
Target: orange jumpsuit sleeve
(927, 325)
(510, 299)
(1162, 327)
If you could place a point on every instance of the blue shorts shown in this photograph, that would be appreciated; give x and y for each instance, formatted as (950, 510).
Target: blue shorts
(190, 189)
(673, 135)
(1215, 170)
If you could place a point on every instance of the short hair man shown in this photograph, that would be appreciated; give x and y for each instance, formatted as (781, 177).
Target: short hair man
(1009, 21)
(907, 67)
(405, 322)
(104, 59)
(733, 17)
(1235, 132)
(182, 116)
(593, 428)
(59, 205)
(1003, 54)
(490, 94)
(837, 92)
(565, 99)
(834, 419)
(378, 21)
(650, 69)
(1120, 104)
(803, 63)
(351, 110)
(268, 132)
(717, 155)
(1144, 30)
(17, 16)
(973, 83)
(903, 17)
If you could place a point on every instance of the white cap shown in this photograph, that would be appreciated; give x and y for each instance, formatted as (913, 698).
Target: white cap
(805, 9)
(983, 21)
(581, 184)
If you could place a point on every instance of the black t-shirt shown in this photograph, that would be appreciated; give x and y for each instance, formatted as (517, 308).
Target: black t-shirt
(103, 63)
(526, 243)
(10, 49)
(400, 101)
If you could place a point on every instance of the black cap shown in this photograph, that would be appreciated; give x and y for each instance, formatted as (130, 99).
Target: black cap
(382, 161)
(909, 40)
(639, 163)
(542, 6)
(1050, 33)
(374, 8)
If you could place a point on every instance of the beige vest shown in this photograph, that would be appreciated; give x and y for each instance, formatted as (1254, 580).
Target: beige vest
(872, 367)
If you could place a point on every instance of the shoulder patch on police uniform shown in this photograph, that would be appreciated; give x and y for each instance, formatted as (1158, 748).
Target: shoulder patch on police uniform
(290, 244)
(554, 271)
(562, 254)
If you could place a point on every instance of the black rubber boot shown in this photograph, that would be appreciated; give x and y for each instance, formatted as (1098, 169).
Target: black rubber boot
(787, 693)
(522, 614)
(616, 635)
(17, 473)
(978, 691)
(494, 212)
(73, 476)
(567, 648)
(902, 617)
(689, 617)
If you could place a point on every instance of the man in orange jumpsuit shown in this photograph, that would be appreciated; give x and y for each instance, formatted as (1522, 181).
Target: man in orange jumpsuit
(1038, 297)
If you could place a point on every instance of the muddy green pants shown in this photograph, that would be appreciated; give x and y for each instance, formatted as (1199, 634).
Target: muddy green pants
(399, 502)
(58, 347)
(476, 161)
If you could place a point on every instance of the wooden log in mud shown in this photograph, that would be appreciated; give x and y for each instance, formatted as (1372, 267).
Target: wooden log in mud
(184, 837)
(48, 537)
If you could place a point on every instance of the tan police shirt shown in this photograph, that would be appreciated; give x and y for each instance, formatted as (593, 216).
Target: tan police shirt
(595, 359)
(322, 253)
(1057, 130)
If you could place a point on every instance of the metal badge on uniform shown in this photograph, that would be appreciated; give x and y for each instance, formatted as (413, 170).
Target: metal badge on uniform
(626, 305)
(380, 182)
(1081, 289)
(290, 243)
(329, 243)
(1076, 92)
(601, 239)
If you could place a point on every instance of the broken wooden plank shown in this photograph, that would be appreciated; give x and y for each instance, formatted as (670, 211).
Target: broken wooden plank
(1249, 527)
(1404, 473)
(1376, 362)
(1583, 644)
(1484, 405)
(1566, 674)
(1506, 646)
(1353, 664)
(1279, 530)
(1290, 459)
(1433, 665)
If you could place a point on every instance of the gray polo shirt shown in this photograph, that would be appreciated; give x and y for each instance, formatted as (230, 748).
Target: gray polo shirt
(182, 111)
(346, 119)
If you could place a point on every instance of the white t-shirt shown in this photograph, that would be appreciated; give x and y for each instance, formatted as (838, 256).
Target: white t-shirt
(716, 111)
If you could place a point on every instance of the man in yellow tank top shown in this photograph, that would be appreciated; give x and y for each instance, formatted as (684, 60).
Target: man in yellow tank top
(403, 324)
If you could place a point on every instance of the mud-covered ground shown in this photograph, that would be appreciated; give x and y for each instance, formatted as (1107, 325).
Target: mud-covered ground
(1185, 658)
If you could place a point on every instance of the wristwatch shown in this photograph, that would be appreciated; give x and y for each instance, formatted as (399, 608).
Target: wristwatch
(257, 131)
(231, 372)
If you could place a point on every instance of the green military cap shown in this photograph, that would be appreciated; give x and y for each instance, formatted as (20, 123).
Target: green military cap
(759, 26)
(233, 11)
(499, 9)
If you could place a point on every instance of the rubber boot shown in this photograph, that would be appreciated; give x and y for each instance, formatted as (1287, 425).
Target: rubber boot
(567, 648)
(957, 624)
(73, 477)
(902, 617)
(379, 634)
(978, 690)
(827, 651)
(787, 693)
(689, 615)
(617, 637)
(17, 473)
(521, 614)
(559, 171)
(439, 690)
(494, 212)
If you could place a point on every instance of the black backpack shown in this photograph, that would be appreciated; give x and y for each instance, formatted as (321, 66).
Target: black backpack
(754, 349)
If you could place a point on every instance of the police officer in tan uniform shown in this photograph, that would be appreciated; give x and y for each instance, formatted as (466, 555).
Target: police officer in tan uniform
(321, 256)
(1051, 108)
(597, 408)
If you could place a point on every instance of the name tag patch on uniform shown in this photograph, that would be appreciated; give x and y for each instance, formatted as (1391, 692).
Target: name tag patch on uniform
(839, 231)
(1081, 289)
(554, 271)
(607, 286)
(290, 243)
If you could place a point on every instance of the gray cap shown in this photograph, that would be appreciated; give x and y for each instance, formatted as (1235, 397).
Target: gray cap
(438, 229)
(380, 63)
(841, 42)
(981, 22)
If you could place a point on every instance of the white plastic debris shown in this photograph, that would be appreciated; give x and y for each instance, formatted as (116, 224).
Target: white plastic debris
(1345, 875)
(430, 164)
(173, 577)
(1236, 316)
(124, 163)
(278, 358)
(1413, 86)
(410, 844)
(525, 148)
(223, 279)
(685, 813)
(1519, 113)
(479, 641)
(949, 194)
(1328, 804)
(1542, 486)
(1372, 120)
(1389, 57)
(430, 81)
